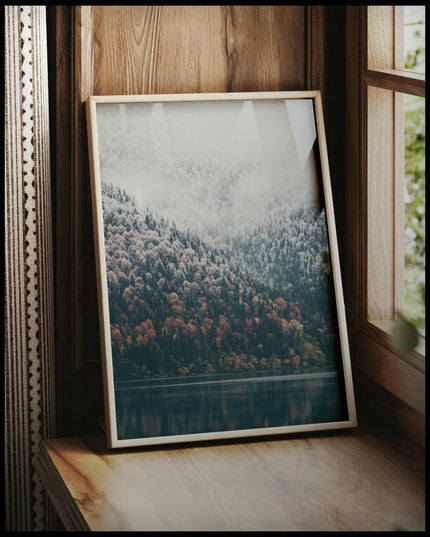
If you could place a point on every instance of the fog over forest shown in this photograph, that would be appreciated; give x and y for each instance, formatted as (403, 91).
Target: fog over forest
(216, 168)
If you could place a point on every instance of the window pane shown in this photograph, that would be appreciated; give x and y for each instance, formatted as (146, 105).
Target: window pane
(414, 38)
(414, 308)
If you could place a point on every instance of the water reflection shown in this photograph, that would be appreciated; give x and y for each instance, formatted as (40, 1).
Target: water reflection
(208, 405)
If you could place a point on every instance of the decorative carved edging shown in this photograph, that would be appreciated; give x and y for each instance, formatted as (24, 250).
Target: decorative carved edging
(29, 367)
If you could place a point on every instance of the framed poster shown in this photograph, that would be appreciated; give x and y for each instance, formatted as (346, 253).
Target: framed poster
(220, 295)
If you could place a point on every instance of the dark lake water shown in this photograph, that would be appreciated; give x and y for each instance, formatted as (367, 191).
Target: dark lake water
(209, 403)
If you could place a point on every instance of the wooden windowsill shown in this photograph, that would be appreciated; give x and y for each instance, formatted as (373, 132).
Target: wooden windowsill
(347, 480)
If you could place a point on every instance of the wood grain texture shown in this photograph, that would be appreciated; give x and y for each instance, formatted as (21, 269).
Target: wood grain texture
(399, 202)
(316, 60)
(326, 483)
(380, 42)
(380, 204)
(193, 49)
(62, 501)
(395, 80)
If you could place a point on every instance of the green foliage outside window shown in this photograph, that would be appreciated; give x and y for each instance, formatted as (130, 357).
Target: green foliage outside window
(415, 210)
(414, 309)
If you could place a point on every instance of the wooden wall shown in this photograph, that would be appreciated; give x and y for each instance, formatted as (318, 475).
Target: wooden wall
(107, 50)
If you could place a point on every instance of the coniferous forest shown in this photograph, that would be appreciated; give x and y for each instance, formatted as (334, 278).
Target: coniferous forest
(181, 304)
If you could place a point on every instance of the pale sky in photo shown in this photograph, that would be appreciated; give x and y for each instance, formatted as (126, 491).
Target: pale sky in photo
(209, 164)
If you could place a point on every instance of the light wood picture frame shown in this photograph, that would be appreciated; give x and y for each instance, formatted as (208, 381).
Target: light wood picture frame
(220, 296)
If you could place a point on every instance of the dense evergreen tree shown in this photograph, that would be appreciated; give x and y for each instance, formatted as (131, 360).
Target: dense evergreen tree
(180, 305)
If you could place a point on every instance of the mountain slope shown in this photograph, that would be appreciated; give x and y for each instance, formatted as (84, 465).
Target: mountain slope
(179, 305)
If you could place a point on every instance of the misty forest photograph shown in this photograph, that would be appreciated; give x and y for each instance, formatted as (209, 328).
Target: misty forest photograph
(222, 311)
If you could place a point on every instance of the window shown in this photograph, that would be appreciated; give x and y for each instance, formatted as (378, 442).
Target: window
(385, 155)
(395, 165)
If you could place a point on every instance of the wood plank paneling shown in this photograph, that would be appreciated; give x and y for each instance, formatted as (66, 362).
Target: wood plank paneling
(355, 164)
(316, 62)
(123, 41)
(59, 28)
(189, 49)
(266, 48)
